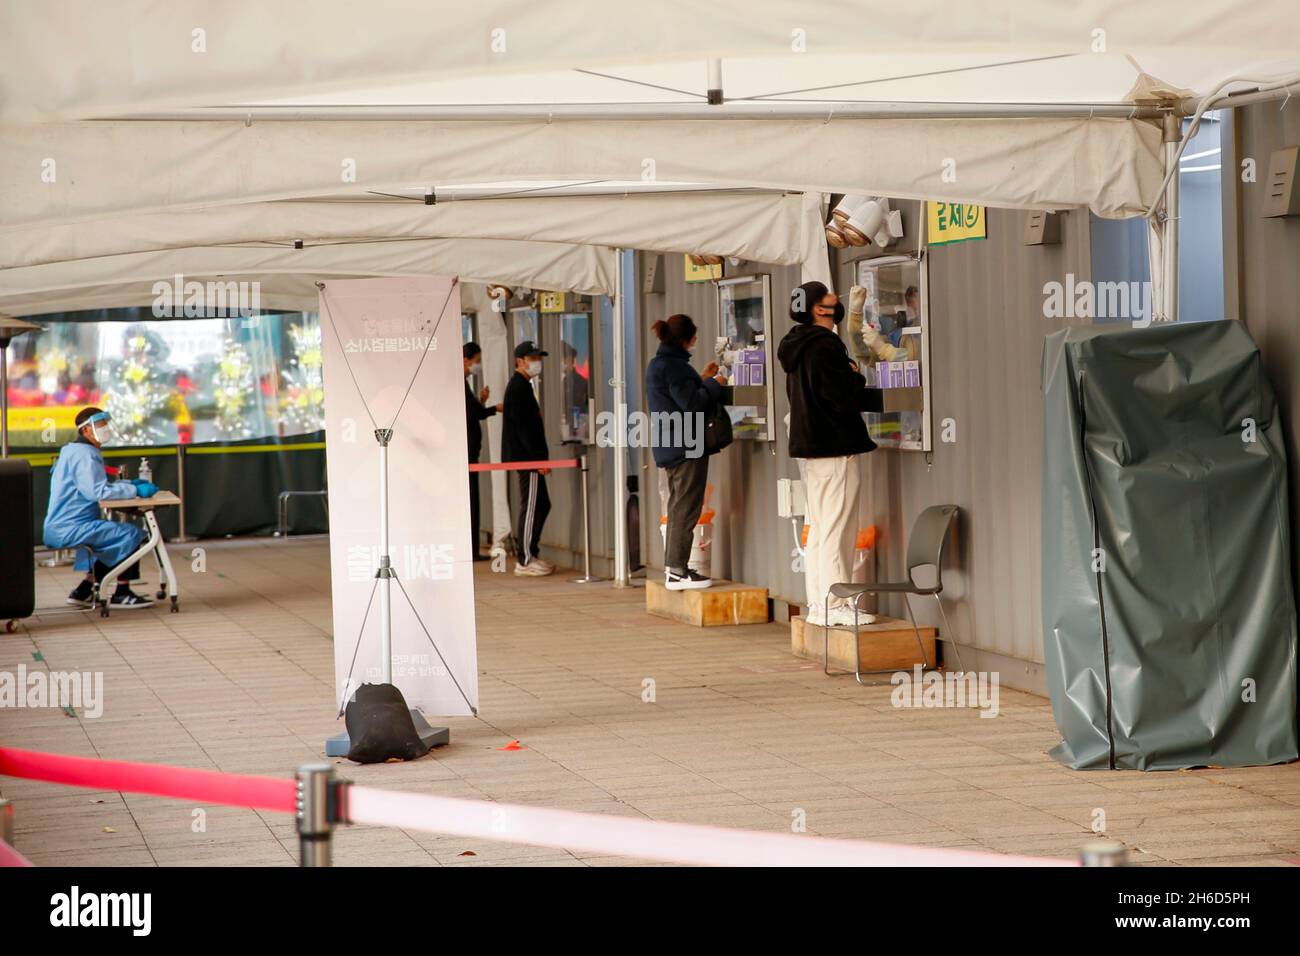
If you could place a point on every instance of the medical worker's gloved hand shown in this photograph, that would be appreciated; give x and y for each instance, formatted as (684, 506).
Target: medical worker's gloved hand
(857, 300)
(145, 489)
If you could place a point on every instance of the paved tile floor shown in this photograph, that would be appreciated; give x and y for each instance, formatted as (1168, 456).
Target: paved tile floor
(740, 734)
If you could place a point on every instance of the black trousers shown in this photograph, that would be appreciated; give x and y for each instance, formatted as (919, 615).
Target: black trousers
(534, 506)
(686, 484)
(130, 574)
(474, 513)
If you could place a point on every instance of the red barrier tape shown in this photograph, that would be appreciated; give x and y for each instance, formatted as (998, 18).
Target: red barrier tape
(522, 465)
(11, 857)
(181, 783)
(538, 826)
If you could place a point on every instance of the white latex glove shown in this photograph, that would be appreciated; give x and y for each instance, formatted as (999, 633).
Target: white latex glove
(857, 300)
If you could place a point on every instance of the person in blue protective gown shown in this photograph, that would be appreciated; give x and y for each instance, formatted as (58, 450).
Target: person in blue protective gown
(77, 484)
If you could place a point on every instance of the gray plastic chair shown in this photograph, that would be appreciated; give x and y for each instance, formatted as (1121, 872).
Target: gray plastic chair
(924, 549)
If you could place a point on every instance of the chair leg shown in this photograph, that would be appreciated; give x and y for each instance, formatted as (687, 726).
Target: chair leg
(826, 636)
(908, 604)
(947, 629)
(857, 642)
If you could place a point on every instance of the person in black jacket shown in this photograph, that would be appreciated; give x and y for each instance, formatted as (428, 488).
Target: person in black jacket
(475, 412)
(827, 397)
(523, 438)
(675, 390)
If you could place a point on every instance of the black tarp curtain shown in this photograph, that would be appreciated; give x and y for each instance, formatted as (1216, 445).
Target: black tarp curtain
(231, 488)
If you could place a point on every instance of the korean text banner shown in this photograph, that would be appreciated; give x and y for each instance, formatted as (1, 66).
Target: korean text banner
(393, 359)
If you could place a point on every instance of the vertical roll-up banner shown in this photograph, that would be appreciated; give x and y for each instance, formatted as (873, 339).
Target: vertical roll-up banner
(393, 359)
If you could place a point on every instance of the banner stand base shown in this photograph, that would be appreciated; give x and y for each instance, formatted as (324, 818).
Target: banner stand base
(340, 744)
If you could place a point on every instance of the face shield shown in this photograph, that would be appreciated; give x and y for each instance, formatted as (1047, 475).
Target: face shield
(101, 427)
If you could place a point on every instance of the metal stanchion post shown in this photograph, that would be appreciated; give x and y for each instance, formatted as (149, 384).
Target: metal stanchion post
(315, 829)
(6, 821)
(181, 538)
(586, 530)
(1103, 853)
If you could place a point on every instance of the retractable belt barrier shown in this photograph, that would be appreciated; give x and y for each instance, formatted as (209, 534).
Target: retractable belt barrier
(581, 464)
(11, 857)
(320, 801)
(523, 465)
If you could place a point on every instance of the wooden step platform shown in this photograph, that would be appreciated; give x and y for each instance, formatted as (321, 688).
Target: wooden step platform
(726, 602)
(888, 644)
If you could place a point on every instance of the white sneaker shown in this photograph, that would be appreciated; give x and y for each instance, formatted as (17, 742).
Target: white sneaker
(843, 617)
(533, 569)
(816, 615)
(544, 563)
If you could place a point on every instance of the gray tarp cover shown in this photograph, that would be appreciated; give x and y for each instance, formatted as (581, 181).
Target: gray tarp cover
(1152, 664)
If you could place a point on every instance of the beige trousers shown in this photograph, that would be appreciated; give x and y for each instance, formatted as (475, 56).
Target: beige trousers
(831, 487)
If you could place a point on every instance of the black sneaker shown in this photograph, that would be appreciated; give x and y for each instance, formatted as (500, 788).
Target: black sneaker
(81, 594)
(129, 600)
(690, 581)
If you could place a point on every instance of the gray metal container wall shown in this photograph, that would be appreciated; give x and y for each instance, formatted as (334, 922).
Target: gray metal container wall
(1262, 268)
(987, 330)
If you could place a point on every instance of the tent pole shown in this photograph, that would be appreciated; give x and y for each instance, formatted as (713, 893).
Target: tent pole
(4, 398)
(715, 83)
(728, 110)
(1169, 247)
(621, 577)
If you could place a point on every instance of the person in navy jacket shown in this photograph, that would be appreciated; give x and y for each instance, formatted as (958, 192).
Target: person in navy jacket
(682, 398)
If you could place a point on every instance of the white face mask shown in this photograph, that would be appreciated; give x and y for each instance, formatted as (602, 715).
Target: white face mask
(102, 432)
(534, 368)
(474, 370)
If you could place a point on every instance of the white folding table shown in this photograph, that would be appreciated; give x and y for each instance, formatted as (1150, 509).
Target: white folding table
(168, 586)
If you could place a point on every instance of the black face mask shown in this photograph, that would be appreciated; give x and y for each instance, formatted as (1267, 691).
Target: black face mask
(837, 313)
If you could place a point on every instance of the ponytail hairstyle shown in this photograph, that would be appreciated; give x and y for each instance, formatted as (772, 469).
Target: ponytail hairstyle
(802, 300)
(675, 330)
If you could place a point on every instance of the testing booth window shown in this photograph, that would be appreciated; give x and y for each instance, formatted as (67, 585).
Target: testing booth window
(896, 358)
(575, 377)
(742, 350)
(526, 326)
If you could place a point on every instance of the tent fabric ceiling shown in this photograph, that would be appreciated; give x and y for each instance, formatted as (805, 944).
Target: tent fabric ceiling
(785, 229)
(288, 274)
(1007, 77)
(92, 207)
(1113, 166)
(141, 55)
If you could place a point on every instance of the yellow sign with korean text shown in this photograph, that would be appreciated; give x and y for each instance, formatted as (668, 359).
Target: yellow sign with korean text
(954, 222)
(701, 273)
(550, 303)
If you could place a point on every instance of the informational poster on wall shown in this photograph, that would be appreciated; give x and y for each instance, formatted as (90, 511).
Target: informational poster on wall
(393, 360)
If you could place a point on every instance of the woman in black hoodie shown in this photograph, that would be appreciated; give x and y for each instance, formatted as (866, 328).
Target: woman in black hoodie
(827, 397)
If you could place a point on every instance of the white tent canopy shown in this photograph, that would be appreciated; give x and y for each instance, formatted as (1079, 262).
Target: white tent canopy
(70, 172)
(137, 55)
(286, 276)
(780, 228)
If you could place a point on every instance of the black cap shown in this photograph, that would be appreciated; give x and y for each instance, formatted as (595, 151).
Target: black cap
(527, 349)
